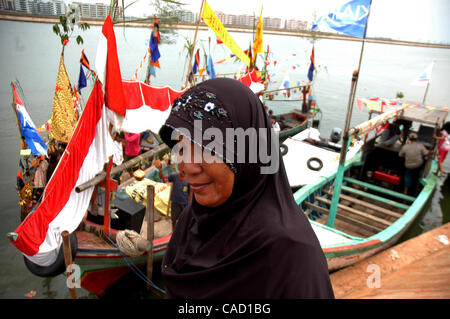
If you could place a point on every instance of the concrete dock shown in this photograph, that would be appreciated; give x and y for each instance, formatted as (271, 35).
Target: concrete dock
(418, 268)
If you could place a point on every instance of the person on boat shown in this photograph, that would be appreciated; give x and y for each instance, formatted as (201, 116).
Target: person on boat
(179, 197)
(40, 176)
(390, 135)
(119, 142)
(52, 163)
(132, 148)
(443, 147)
(242, 235)
(414, 154)
(275, 125)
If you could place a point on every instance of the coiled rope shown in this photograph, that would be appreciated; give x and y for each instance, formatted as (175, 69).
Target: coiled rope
(125, 241)
(135, 268)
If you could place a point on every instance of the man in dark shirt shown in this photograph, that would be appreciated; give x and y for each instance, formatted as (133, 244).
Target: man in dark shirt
(179, 197)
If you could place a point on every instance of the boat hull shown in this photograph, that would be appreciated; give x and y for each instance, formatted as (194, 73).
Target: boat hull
(352, 248)
(102, 265)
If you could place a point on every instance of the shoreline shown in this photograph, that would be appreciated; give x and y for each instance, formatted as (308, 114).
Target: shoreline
(143, 24)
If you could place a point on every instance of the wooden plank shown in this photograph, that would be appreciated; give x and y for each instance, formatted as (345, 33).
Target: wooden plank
(380, 189)
(375, 197)
(347, 219)
(422, 270)
(366, 204)
(356, 212)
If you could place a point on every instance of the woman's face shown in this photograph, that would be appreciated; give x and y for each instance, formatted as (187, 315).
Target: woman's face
(211, 181)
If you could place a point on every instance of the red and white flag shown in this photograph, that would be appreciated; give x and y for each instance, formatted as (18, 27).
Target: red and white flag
(62, 208)
(253, 81)
(147, 106)
(133, 106)
(108, 70)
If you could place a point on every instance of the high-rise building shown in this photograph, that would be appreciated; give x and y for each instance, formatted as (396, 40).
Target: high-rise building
(7, 5)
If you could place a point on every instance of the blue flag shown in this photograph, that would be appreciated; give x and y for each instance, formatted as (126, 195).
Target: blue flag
(211, 71)
(154, 48)
(311, 67)
(349, 19)
(35, 143)
(27, 127)
(81, 79)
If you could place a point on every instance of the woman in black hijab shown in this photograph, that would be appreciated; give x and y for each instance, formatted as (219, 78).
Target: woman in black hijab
(243, 235)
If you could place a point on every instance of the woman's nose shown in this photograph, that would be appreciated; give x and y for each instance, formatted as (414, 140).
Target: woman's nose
(189, 167)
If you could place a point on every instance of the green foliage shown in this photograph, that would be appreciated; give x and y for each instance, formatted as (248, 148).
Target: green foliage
(399, 95)
(66, 26)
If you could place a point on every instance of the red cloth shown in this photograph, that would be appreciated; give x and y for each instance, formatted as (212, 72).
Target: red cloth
(133, 147)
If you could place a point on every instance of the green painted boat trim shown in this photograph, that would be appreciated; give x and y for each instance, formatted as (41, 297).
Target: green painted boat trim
(287, 133)
(385, 236)
(380, 189)
(336, 231)
(375, 197)
(305, 191)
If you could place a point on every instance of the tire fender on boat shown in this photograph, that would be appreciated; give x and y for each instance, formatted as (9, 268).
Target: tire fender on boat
(283, 149)
(58, 267)
(313, 167)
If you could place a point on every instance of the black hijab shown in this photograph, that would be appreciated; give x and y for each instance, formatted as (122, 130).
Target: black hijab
(258, 244)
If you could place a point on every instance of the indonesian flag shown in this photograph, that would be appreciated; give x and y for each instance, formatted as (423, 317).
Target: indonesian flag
(39, 235)
(108, 70)
(132, 106)
(147, 106)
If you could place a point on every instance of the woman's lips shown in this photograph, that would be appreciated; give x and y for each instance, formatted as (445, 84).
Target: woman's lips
(199, 187)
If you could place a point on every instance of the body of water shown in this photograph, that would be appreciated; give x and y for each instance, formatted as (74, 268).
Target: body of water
(30, 53)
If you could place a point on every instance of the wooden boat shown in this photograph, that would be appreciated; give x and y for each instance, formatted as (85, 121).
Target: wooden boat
(291, 123)
(307, 156)
(101, 260)
(371, 212)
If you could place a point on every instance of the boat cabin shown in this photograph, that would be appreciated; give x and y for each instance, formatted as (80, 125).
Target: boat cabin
(382, 164)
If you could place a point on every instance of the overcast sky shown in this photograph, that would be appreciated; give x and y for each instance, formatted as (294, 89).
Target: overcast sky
(413, 20)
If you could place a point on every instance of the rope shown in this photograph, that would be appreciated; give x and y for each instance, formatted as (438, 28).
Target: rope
(124, 240)
(136, 269)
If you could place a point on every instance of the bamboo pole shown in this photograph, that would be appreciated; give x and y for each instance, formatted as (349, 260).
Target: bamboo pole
(426, 92)
(283, 89)
(68, 261)
(106, 217)
(100, 177)
(193, 44)
(150, 230)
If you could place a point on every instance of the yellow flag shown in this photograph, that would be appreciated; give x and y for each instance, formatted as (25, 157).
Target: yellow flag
(63, 118)
(211, 20)
(258, 42)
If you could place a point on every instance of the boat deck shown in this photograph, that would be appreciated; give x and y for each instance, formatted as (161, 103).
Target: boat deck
(361, 213)
(417, 268)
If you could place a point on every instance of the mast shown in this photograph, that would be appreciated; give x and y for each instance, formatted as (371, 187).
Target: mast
(193, 44)
(346, 139)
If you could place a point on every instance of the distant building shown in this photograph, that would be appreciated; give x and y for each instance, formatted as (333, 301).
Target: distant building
(23, 6)
(7, 5)
(274, 23)
(295, 25)
(96, 11)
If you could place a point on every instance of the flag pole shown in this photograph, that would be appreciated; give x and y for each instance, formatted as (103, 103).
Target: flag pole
(346, 139)
(193, 44)
(426, 92)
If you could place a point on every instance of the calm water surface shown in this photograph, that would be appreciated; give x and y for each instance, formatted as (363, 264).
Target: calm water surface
(30, 53)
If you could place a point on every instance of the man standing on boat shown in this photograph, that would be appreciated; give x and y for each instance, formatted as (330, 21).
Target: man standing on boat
(413, 153)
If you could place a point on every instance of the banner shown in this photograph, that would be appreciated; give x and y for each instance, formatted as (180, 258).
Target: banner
(349, 19)
(211, 20)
